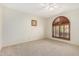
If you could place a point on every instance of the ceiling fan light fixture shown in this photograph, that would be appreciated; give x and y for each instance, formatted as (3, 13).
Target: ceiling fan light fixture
(49, 6)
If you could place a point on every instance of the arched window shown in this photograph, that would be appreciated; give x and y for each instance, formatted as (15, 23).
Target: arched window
(61, 28)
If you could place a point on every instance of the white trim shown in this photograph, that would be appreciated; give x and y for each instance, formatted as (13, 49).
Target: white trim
(65, 41)
(18, 42)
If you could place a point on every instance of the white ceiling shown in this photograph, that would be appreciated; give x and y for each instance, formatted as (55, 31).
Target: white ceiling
(37, 9)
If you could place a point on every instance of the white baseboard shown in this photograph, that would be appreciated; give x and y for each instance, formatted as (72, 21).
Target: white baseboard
(65, 41)
(17, 42)
(23, 41)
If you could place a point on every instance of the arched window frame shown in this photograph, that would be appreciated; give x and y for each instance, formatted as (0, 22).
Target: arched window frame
(56, 27)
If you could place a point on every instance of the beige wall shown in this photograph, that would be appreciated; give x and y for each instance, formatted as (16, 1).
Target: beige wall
(1, 29)
(73, 16)
(17, 27)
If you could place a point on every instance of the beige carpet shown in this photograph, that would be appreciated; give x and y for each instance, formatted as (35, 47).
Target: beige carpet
(43, 47)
